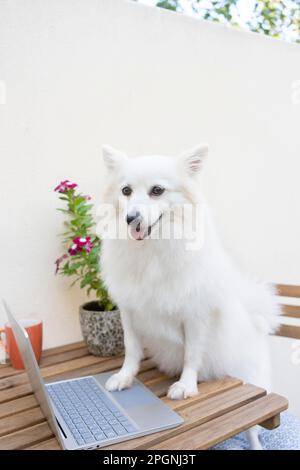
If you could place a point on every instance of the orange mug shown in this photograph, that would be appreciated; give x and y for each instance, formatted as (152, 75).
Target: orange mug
(34, 329)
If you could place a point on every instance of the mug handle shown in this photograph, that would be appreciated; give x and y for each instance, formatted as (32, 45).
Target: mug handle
(2, 338)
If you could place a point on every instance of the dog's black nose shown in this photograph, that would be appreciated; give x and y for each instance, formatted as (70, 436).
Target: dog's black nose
(131, 217)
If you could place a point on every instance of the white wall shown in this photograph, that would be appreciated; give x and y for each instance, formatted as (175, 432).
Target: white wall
(79, 73)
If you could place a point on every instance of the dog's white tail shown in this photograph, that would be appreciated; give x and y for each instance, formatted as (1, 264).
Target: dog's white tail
(266, 311)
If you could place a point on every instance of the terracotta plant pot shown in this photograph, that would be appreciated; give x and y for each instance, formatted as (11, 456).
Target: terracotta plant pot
(102, 331)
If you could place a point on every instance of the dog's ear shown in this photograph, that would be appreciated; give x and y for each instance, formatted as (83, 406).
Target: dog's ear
(192, 160)
(112, 157)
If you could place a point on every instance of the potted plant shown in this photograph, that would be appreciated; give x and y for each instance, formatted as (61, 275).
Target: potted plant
(99, 319)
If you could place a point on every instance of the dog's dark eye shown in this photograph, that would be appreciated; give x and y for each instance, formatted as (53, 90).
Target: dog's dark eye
(126, 190)
(156, 191)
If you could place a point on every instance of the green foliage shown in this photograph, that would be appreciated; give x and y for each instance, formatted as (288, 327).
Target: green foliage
(169, 4)
(81, 262)
(275, 18)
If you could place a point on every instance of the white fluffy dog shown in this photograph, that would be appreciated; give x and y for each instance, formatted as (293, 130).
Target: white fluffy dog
(194, 312)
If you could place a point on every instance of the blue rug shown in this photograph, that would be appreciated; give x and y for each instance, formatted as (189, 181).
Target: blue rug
(285, 437)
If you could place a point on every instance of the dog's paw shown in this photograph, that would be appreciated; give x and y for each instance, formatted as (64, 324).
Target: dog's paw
(179, 391)
(118, 382)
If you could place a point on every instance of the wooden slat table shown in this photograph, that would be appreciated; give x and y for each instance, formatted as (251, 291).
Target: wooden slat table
(222, 408)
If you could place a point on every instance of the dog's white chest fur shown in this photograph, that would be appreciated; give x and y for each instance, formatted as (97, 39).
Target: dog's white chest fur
(150, 284)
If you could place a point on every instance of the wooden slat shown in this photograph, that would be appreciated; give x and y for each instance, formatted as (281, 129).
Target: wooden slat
(9, 371)
(63, 349)
(64, 356)
(196, 414)
(150, 375)
(49, 444)
(292, 311)
(26, 437)
(15, 406)
(21, 421)
(287, 290)
(160, 388)
(15, 392)
(290, 331)
(226, 425)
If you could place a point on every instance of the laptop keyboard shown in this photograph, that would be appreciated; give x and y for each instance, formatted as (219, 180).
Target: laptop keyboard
(89, 413)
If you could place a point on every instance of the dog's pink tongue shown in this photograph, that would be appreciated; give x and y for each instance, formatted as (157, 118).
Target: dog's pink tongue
(137, 234)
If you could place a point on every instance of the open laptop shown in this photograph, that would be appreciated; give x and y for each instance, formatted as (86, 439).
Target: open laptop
(83, 414)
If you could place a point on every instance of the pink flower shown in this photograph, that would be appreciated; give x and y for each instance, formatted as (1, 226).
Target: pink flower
(80, 243)
(88, 246)
(64, 185)
(74, 250)
(84, 242)
(59, 261)
(87, 197)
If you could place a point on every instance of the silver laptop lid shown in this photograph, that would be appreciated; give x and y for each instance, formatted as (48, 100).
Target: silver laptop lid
(33, 371)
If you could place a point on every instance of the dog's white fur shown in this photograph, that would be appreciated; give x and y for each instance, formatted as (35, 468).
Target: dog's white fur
(194, 312)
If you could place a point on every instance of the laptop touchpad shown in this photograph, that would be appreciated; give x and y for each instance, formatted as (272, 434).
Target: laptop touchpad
(136, 395)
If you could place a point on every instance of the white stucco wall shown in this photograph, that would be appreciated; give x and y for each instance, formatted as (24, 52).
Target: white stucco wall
(78, 73)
